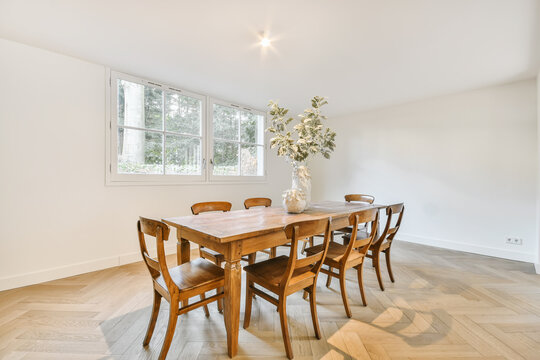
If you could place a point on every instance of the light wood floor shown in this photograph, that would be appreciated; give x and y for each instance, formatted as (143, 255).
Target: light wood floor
(444, 304)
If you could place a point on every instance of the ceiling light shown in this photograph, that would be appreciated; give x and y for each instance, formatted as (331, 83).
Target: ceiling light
(265, 42)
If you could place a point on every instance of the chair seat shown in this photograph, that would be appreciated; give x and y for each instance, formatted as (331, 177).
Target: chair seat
(335, 253)
(212, 253)
(347, 229)
(193, 274)
(271, 271)
(361, 234)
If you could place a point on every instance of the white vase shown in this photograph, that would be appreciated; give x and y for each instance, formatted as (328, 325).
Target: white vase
(294, 201)
(301, 180)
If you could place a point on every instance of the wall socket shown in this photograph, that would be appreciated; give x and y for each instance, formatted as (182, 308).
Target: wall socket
(514, 241)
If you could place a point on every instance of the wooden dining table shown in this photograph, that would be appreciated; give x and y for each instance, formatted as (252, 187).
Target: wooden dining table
(243, 232)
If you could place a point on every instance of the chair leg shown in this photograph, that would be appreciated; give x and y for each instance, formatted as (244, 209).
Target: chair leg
(219, 290)
(377, 265)
(273, 252)
(388, 265)
(282, 307)
(311, 241)
(249, 301)
(360, 271)
(205, 307)
(314, 317)
(153, 318)
(329, 279)
(304, 246)
(305, 294)
(173, 317)
(343, 286)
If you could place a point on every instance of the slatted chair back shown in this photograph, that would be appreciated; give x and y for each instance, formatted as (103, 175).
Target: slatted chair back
(360, 198)
(201, 207)
(251, 202)
(160, 231)
(389, 232)
(362, 245)
(295, 232)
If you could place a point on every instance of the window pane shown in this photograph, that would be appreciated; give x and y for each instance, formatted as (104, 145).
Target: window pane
(251, 128)
(183, 114)
(225, 158)
(153, 108)
(139, 106)
(183, 155)
(225, 122)
(252, 160)
(139, 152)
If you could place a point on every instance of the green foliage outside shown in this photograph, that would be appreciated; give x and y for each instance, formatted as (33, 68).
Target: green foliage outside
(177, 113)
(141, 152)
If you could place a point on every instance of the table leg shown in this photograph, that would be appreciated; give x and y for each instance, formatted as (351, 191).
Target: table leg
(233, 281)
(183, 255)
(183, 250)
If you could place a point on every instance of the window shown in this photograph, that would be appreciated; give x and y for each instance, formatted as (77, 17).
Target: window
(157, 134)
(237, 141)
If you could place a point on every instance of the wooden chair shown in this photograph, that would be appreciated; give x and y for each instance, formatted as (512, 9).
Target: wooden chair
(284, 275)
(251, 202)
(176, 284)
(384, 242)
(360, 198)
(210, 254)
(266, 202)
(352, 255)
(202, 207)
(348, 230)
(356, 198)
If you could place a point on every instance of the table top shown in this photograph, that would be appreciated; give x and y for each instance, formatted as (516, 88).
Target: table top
(241, 224)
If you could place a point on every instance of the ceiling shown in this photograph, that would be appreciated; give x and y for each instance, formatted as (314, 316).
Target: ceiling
(360, 54)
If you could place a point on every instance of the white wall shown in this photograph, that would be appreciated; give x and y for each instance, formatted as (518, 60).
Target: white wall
(465, 165)
(57, 217)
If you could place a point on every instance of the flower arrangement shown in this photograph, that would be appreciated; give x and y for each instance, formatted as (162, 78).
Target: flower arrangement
(310, 135)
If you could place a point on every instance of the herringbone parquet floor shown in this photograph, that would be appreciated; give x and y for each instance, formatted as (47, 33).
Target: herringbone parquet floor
(444, 304)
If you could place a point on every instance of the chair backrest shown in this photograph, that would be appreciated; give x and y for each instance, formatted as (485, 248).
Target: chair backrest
(251, 202)
(360, 197)
(301, 230)
(160, 231)
(390, 231)
(361, 245)
(201, 207)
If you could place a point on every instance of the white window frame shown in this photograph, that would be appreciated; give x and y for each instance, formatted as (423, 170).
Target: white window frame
(210, 150)
(112, 177)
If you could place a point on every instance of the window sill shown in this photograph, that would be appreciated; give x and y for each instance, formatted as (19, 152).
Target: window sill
(189, 183)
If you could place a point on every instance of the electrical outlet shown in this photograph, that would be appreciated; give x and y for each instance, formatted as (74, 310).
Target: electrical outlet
(514, 241)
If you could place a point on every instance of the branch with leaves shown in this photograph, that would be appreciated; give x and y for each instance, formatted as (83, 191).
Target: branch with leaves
(307, 137)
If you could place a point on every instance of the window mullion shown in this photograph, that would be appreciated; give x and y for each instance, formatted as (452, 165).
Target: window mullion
(209, 138)
(163, 129)
(239, 147)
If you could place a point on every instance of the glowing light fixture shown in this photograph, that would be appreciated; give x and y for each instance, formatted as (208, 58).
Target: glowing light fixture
(265, 42)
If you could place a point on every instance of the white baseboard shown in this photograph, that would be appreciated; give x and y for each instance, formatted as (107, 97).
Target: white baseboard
(466, 247)
(36, 277)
